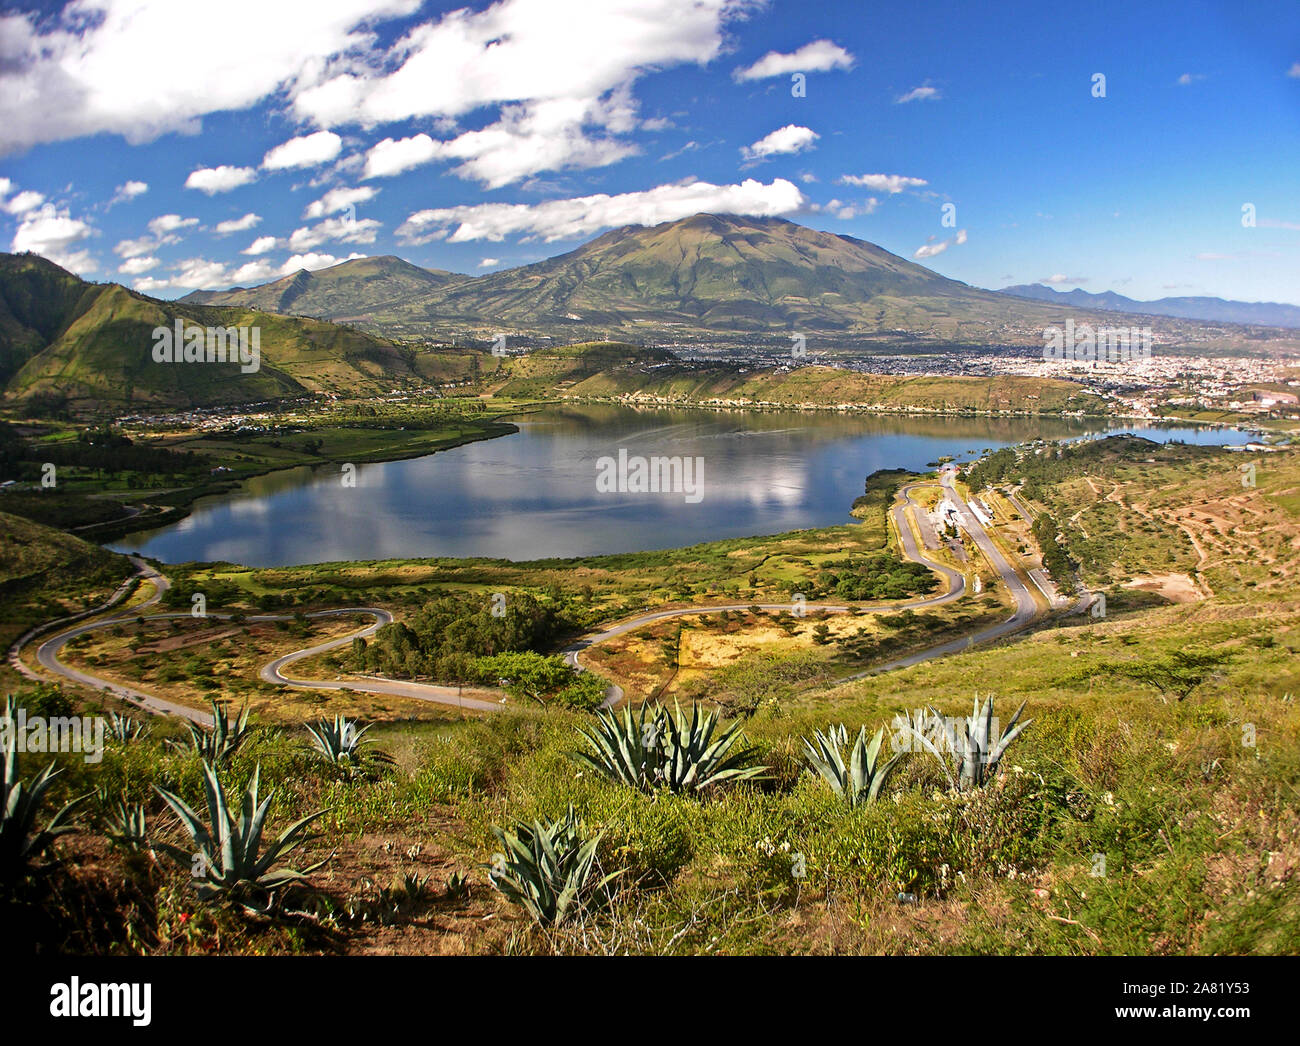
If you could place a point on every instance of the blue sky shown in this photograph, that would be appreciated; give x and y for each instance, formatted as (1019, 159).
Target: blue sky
(171, 146)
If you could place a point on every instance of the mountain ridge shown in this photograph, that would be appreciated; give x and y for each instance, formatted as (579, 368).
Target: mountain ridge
(704, 277)
(1200, 307)
(91, 344)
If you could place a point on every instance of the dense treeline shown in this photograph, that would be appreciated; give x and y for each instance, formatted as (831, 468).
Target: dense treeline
(875, 577)
(444, 638)
(1056, 561)
(101, 450)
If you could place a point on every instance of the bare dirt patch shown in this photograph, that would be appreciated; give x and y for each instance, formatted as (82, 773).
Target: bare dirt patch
(1177, 588)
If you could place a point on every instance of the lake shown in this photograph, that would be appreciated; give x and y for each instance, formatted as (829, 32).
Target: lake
(533, 494)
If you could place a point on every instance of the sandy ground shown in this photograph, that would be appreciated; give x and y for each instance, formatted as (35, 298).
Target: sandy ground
(1177, 588)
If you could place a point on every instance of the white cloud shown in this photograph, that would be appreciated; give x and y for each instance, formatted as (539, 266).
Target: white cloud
(166, 223)
(558, 72)
(199, 272)
(311, 262)
(63, 79)
(1187, 79)
(309, 150)
(487, 263)
(929, 250)
(254, 272)
(260, 245)
(149, 284)
(393, 156)
(924, 93)
(789, 139)
(344, 230)
(212, 180)
(565, 219)
(890, 183)
(243, 224)
(128, 191)
(27, 200)
(339, 200)
(135, 266)
(545, 136)
(53, 233)
(136, 248)
(1294, 71)
(518, 51)
(162, 231)
(6, 186)
(1060, 278)
(848, 211)
(820, 56)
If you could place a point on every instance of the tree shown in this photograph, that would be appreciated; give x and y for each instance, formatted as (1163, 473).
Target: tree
(525, 673)
(1179, 672)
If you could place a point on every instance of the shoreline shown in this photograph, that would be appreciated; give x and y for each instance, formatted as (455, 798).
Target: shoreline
(113, 530)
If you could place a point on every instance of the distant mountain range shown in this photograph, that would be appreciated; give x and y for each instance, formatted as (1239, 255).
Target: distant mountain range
(752, 282)
(1214, 310)
(713, 277)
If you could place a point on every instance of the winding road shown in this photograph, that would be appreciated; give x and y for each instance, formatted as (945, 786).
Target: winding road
(1027, 610)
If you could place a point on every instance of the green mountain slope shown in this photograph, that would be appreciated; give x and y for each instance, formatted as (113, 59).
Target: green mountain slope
(100, 342)
(348, 290)
(37, 302)
(714, 277)
(709, 271)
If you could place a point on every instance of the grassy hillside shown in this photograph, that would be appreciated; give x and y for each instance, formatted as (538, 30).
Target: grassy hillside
(610, 370)
(340, 292)
(103, 358)
(37, 302)
(1135, 815)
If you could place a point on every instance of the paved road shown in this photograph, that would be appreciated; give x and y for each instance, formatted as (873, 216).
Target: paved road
(907, 540)
(48, 652)
(1026, 608)
(48, 655)
(443, 695)
(273, 673)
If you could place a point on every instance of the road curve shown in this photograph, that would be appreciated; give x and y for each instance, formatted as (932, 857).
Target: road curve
(48, 656)
(273, 673)
(443, 695)
(907, 542)
(1026, 608)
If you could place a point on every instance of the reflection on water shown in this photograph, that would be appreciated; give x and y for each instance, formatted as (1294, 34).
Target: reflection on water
(533, 495)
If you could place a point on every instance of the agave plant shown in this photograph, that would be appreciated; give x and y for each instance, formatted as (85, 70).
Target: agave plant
(21, 842)
(862, 778)
(124, 728)
(124, 824)
(968, 750)
(341, 744)
(218, 745)
(625, 745)
(230, 862)
(917, 723)
(548, 869)
(457, 887)
(657, 750)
